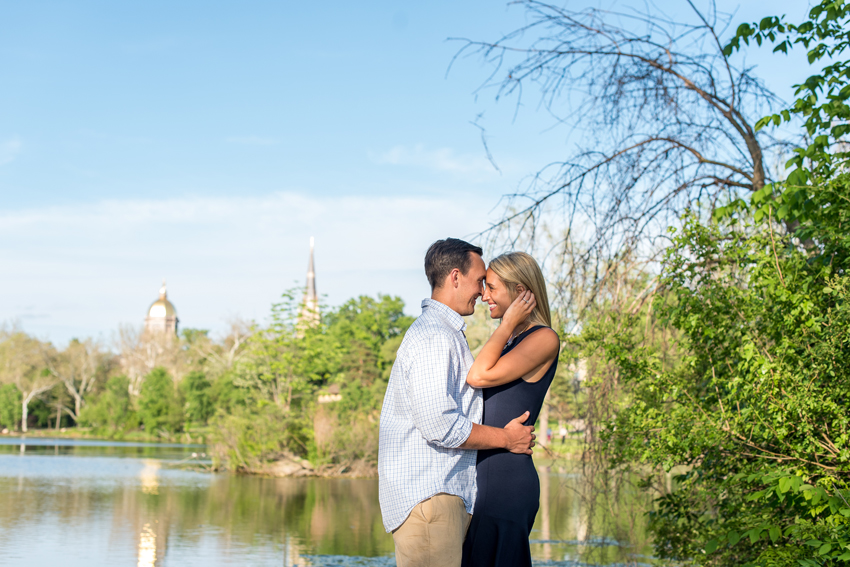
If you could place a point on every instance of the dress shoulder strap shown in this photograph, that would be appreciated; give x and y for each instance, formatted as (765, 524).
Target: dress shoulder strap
(519, 338)
(527, 332)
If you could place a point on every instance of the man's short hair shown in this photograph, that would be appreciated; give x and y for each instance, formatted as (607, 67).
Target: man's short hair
(444, 256)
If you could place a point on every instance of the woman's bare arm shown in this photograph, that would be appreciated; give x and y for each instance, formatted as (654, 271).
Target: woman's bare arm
(535, 352)
(492, 369)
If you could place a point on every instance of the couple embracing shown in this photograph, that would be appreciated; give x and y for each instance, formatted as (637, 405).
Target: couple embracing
(457, 483)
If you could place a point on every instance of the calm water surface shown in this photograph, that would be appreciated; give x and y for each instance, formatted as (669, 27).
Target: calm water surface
(99, 503)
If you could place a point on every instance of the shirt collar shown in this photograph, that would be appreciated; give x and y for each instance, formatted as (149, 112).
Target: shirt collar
(452, 317)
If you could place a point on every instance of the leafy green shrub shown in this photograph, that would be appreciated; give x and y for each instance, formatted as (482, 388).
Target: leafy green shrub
(160, 409)
(40, 413)
(10, 406)
(757, 410)
(196, 390)
(226, 395)
(111, 413)
(249, 437)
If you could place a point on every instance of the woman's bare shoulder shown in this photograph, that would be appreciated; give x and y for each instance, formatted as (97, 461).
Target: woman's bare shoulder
(544, 340)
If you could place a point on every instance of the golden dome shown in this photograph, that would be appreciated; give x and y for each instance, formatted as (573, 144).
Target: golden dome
(162, 308)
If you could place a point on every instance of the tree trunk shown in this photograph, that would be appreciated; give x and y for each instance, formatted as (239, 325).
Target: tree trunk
(24, 414)
(58, 415)
(78, 406)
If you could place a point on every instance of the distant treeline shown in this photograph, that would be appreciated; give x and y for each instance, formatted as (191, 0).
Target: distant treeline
(254, 395)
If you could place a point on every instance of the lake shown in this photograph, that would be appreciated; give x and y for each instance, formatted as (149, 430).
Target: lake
(102, 503)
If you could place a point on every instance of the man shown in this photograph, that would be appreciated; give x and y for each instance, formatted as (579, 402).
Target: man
(430, 421)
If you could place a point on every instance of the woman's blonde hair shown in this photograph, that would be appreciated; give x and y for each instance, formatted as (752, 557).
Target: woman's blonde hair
(518, 268)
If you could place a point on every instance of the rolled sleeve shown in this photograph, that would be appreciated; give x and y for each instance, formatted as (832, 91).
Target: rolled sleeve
(435, 411)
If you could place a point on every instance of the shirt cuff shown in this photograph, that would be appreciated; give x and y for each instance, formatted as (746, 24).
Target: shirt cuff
(459, 433)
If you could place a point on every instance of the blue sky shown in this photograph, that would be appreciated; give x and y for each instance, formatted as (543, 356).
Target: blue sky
(205, 142)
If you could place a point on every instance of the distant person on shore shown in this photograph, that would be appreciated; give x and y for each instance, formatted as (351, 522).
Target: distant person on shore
(430, 421)
(515, 368)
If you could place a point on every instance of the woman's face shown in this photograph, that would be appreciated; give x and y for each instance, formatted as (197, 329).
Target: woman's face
(496, 294)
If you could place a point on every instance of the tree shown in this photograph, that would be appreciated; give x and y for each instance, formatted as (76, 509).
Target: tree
(160, 410)
(285, 360)
(665, 117)
(223, 356)
(197, 393)
(10, 406)
(112, 412)
(748, 415)
(78, 368)
(822, 102)
(273, 389)
(140, 352)
(361, 327)
(21, 364)
(756, 409)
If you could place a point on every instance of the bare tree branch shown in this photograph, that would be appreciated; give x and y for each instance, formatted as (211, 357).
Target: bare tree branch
(665, 121)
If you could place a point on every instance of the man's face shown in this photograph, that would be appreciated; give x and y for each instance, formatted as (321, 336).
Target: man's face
(471, 285)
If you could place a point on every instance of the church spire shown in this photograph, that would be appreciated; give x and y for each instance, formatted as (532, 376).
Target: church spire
(310, 311)
(312, 297)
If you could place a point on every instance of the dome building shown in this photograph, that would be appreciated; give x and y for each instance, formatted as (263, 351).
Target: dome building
(162, 317)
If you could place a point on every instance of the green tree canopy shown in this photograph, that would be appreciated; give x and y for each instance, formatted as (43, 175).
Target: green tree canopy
(160, 410)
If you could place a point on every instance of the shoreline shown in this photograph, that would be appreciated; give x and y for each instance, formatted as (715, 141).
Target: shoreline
(285, 467)
(288, 466)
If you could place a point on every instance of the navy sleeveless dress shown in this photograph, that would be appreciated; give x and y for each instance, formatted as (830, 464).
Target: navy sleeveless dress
(508, 486)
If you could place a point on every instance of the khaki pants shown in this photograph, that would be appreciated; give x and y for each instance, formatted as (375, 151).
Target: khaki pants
(433, 533)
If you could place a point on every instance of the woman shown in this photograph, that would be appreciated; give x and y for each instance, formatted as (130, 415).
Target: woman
(515, 368)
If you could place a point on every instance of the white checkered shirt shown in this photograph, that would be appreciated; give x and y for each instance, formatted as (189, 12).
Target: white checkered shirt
(428, 413)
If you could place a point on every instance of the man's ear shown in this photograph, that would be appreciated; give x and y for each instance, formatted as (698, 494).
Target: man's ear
(454, 276)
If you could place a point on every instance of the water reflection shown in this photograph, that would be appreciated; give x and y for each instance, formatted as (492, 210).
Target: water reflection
(148, 475)
(543, 514)
(588, 519)
(96, 510)
(103, 509)
(147, 547)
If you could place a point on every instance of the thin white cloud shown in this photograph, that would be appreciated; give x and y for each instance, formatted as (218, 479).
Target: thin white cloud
(91, 267)
(440, 159)
(9, 150)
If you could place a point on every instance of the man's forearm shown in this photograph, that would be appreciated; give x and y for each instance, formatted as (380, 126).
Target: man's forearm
(485, 437)
(515, 437)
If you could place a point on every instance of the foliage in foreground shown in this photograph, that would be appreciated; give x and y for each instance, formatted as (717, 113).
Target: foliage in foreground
(755, 413)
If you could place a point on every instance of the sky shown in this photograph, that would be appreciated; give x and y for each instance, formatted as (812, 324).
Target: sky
(206, 142)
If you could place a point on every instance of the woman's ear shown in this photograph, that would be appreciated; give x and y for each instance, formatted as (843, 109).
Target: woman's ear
(520, 289)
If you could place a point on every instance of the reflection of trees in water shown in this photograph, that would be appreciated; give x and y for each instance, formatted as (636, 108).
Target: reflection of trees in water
(597, 517)
(155, 511)
(297, 516)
